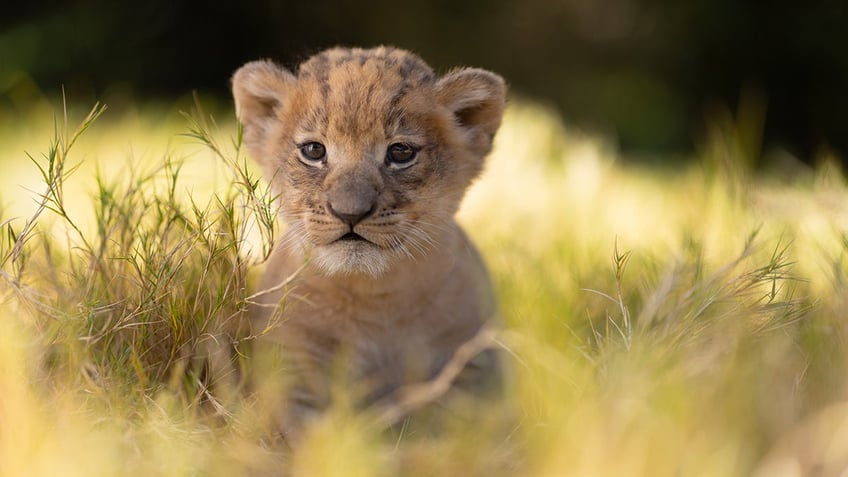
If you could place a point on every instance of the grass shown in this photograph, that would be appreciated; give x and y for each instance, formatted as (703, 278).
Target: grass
(656, 322)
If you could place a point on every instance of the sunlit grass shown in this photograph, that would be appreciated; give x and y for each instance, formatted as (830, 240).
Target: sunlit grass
(688, 321)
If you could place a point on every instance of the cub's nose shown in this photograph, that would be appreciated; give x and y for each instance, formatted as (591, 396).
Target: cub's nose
(353, 214)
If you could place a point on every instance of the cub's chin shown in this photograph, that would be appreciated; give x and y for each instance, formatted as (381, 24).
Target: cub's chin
(352, 256)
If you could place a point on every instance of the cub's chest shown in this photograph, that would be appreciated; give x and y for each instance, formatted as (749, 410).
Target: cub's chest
(354, 317)
(379, 342)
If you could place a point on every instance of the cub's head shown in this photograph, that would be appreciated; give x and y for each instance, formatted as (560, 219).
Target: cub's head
(369, 151)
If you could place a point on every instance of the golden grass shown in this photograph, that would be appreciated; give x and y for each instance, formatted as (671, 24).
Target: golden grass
(676, 322)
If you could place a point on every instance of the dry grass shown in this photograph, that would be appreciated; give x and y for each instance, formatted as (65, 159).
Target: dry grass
(687, 322)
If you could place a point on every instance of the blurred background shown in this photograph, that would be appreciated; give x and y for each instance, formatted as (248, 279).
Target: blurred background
(649, 75)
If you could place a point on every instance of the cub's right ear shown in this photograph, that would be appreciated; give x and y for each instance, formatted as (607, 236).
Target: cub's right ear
(259, 89)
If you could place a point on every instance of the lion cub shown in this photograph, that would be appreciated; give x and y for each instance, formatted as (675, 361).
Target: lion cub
(370, 153)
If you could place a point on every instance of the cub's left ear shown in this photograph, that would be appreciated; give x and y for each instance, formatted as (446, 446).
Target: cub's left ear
(476, 98)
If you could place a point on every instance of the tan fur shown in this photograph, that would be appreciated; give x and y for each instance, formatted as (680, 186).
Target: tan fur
(393, 309)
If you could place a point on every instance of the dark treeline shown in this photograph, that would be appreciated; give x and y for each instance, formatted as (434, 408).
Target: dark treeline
(649, 72)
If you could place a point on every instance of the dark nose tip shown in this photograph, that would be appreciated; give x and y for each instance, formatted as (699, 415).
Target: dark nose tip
(353, 216)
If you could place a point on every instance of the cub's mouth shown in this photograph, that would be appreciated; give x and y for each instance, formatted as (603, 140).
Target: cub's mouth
(352, 237)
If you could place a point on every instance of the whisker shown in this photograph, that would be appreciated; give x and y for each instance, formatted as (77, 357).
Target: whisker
(421, 237)
(295, 233)
(399, 246)
(441, 225)
(413, 241)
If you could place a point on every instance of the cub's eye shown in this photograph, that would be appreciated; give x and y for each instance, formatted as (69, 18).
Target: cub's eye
(401, 156)
(312, 153)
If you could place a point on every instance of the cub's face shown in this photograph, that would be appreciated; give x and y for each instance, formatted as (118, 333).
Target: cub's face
(369, 151)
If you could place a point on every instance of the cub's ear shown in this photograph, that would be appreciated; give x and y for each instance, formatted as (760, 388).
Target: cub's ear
(259, 88)
(476, 98)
